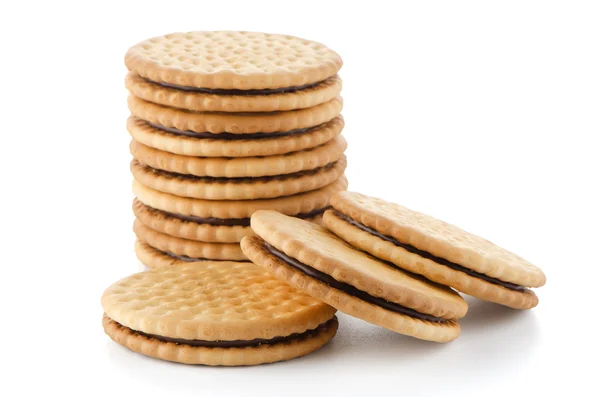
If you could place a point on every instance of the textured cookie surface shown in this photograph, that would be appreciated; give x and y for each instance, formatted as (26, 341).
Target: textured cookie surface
(153, 137)
(211, 102)
(237, 123)
(231, 356)
(216, 301)
(240, 188)
(314, 246)
(439, 239)
(302, 203)
(221, 167)
(187, 248)
(461, 281)
(232, 60)
(255, 249)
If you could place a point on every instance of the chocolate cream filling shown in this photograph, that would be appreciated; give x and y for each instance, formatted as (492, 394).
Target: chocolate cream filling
(229, 222)
(240, 179)
(222, 91)
(427, 255)
(184, 258)
(238, 343)
(349, 289)
(228, 136)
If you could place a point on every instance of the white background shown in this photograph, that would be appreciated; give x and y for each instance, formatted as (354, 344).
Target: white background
(485, 114)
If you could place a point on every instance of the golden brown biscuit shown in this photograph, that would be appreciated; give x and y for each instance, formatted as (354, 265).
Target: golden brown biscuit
(215, 145)
(220, 167)
(439, 251)
(217, 313)
(313, 260)
(202, 101)
(232, 60)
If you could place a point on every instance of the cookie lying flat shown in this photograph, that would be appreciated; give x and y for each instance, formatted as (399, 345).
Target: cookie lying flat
(237, 188)
(439, 251)
(232, 145)
(315, 261)
(238, 212)
(217, 313)
(191, 228)
(233, 60)
(220, 167)
(235, 123)
(235, 101)
(187, 250)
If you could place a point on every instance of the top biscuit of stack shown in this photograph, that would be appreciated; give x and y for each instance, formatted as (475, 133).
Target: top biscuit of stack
(234, 72)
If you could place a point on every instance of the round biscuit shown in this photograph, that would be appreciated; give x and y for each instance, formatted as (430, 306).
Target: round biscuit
(316, 247)
(236, 123)
(215, 301)
(211, 102)
(232, 60)
(146, 134)
(302, 203)
(461, 281)
(239, 188)
(439, 238)
(188, 248)
(222, 167)
(447, 331)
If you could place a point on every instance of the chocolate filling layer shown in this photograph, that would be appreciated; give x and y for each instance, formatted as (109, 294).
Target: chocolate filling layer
(229, 222)
(221, 91)
(241, 179)
(183, 257)
(228, 136)
(427, 255)
(349, 289)
(238, 343)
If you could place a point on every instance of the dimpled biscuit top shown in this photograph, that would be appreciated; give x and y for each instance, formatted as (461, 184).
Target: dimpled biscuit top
(232, 60)
(438, 238)
(212, 301)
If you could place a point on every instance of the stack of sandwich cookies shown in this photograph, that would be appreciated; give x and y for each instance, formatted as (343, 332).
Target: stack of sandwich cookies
(223, 124)
(434, 249)
(222, 313)
(313, 260)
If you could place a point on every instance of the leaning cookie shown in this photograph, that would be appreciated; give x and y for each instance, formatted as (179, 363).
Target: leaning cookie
(220, 313)
(315, 261)
(437, 250)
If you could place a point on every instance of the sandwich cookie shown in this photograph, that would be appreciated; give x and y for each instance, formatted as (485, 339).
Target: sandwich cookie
(233, 71)
(186, 250)
(437, 250)
(220, 313)
(173, 119)
(248, 188)
(190, 143)
(206, 100)
(224, 167)
(188, 228)
(308, 257)
(238, 212)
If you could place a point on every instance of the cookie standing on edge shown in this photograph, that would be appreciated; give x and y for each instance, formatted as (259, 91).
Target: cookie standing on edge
(437, 250)
(315, 261)
(221, 313)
